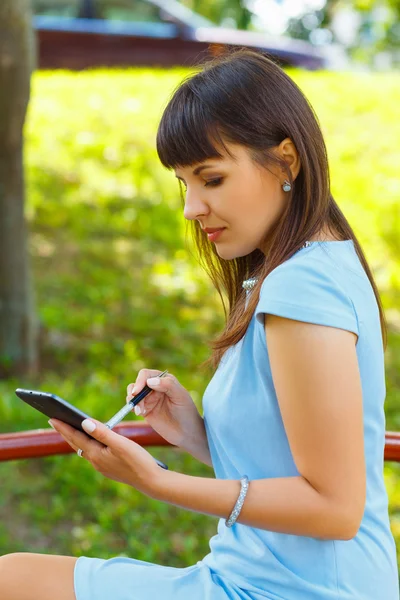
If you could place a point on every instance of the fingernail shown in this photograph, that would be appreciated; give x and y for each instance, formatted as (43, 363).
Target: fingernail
(88, 425)
(153, 381)
(137, 409)
(51, 424)
(134, 390)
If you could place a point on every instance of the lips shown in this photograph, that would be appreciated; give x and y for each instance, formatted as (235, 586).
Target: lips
(213, 229)
(215, 235)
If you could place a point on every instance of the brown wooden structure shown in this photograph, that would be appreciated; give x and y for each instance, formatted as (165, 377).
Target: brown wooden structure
(47, 442)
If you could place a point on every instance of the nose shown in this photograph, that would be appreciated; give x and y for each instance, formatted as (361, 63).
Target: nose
(194, 206)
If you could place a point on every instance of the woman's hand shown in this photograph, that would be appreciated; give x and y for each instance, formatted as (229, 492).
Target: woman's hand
(169, 409)
(113, 455)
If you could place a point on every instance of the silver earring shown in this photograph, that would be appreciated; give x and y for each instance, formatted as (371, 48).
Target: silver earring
(286, 186)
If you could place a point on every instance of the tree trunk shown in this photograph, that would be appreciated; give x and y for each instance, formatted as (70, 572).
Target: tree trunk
(18, 325)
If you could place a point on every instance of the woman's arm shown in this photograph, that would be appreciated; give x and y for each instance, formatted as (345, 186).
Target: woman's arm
(317, 382)
(287, 504)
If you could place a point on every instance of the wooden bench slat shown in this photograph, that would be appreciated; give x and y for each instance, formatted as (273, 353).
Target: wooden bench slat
(47, 442)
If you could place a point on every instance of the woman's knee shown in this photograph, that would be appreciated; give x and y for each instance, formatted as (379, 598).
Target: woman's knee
(10, 572)
(27, 576)
(9, 563)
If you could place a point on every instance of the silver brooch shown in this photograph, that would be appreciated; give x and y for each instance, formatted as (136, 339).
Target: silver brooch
(248, 284)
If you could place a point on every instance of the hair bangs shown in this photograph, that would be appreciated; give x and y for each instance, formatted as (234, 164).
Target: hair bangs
(187, 133)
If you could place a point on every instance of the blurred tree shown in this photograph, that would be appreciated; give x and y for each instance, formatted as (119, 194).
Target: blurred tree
(368, 29)
(232, 13)
(18, 328)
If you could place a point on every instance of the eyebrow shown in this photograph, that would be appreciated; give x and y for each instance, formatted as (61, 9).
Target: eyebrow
(197, 170)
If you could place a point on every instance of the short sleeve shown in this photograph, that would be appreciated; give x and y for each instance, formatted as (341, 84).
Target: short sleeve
(307, 291)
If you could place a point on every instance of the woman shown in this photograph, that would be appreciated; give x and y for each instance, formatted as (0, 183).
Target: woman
(294, 422)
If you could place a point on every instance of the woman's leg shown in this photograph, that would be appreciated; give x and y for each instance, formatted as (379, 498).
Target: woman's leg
(26, 576)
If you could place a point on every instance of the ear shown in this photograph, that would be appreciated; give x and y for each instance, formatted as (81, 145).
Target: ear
(287, 150)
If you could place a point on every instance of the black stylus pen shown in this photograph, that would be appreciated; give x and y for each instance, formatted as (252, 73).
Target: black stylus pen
(121, 414)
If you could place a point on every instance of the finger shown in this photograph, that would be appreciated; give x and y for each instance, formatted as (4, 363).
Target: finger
(141, 408)
(160, 385)
(104, 435)
(129, 389)
(74, 437)
(165, 385)
(143, 375)
(73, 446)
(146, 404)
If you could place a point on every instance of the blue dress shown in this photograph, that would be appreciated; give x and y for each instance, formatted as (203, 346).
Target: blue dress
(325, 284)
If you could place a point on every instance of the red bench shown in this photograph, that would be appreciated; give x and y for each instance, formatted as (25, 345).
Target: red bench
(47, 442)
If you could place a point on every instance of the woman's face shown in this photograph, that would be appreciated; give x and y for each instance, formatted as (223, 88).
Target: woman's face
(238, 195)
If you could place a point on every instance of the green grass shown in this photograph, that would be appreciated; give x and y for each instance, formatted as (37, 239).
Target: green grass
(117, 290)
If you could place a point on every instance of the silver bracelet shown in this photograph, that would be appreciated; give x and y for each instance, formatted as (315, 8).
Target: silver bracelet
(244, 482)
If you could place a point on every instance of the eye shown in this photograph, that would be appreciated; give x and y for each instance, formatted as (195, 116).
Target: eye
(214, 182)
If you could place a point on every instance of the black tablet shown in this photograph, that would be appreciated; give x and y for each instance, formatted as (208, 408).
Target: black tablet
(53, 407)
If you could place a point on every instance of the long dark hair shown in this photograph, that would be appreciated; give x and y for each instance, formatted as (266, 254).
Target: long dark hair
(244, 97)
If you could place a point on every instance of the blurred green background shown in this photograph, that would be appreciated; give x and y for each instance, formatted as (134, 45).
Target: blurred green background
(117, 290)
